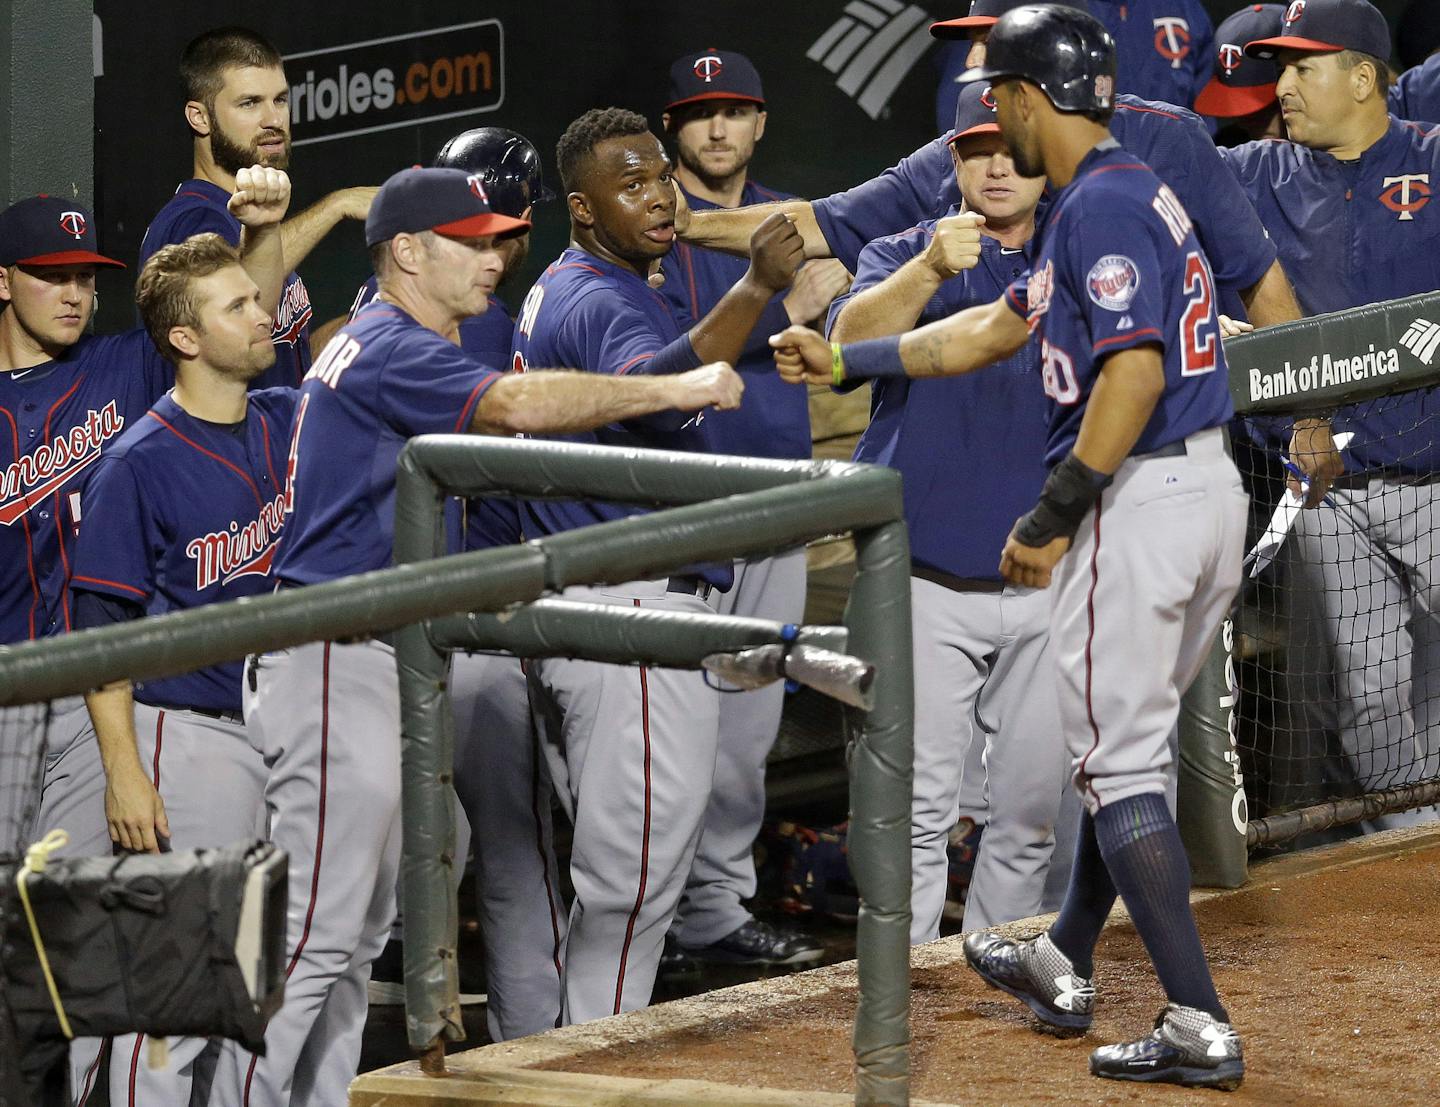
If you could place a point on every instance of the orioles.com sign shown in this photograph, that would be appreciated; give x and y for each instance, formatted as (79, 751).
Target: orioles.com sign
(363, 87)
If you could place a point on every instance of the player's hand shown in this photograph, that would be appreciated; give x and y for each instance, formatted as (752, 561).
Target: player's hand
(817, 283)
(776, 252)
(715, 385)
(262, 196)
(955, 246)
(802, 356)
(134, 811)
(354, 203)
(1031, 565)
(682, 210)
(1229, 328)
(1312, 450)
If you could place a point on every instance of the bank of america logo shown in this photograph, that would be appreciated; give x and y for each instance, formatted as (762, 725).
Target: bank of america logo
(871, 48)
(1421, 339)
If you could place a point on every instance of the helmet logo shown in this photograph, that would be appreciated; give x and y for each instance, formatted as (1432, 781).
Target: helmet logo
(477, 185)
(73, 223)
(988, 98)
(1230, 58)
(1294, 11)
(1104, 89)
(708, 67)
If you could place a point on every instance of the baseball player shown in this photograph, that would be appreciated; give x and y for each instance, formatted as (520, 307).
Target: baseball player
(632, 752)
(922, 186)
(326, 716)
(982, 661)
(1164, 47)
(186, 509)
(237, 107)
(1416, 94)
(1241, 94)
(67, 396)
(1142, 496)
(501, 781)
(715, 113)
(1346, 196)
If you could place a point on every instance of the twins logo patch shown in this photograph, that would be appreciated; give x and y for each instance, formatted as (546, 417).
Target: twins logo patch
(988, 98)
(1230, 57)
(1406, 194)
(1294, 11)
(477, 186)
(73, 223)
(1172, 39)
(707, 67)
(1113, 282)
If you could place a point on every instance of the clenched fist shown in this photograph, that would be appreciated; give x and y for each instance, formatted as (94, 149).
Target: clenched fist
(955, 246)
(776, 252)
(802, 356)
(715, 385)
(262, 196)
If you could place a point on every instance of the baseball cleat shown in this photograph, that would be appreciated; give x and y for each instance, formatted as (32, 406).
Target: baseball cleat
(1037, 974)
(758, 943)
(1187, 1047)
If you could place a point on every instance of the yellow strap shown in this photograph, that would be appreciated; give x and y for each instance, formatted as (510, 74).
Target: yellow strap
(36, 858)
(837, 365)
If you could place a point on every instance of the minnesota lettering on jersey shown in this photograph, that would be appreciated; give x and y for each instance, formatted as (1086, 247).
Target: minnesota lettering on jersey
(30, 479)
(293, 313)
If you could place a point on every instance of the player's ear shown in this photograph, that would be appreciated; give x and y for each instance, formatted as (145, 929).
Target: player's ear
(405, 251)
(665, 121)
(184, 341)
(580, 211)
(197, 117)
(5, 271)
(759, 124)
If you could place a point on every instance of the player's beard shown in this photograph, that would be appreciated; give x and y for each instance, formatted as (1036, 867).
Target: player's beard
(232, 157)
(1027, 162)
(692, 161)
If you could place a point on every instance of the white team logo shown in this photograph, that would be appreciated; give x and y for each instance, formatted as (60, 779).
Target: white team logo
(1113, 282)
(1172, 39)
(1422, 338)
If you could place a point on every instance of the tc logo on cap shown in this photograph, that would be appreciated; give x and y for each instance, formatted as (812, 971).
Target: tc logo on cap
(988, 98)
(1294, 11)
(73, 223)
(477, 186)
(708, 67)
(1230, 57)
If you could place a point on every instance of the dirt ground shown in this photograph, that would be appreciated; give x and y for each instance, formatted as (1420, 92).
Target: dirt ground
(1332, 979)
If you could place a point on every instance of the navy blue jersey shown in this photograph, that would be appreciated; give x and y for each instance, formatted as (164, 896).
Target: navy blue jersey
(1118, 265)
(1163, 47)
(774, 417)
(57, 418)
(1171, 140)
(1416, 95)
(971, 448)
(587, 314)
(488, 338)
(182, 512)
(198, 207)
(381, 380)
(1352, 233)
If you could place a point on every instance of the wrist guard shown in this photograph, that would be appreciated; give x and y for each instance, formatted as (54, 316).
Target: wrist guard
(1070, 491)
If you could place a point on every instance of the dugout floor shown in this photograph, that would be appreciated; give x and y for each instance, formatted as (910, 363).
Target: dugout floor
(1327, 960)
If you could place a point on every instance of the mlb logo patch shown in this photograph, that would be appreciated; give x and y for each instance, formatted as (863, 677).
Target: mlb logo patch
(1113, 282)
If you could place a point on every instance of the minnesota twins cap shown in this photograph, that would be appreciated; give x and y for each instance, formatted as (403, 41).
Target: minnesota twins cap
(46, 230)
(713, 75)
(975, 112)
(1328, 26)
(1242, 85)
(447, 201)
(984, 13)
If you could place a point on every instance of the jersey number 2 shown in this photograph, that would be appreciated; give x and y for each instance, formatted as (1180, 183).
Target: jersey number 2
(1198, 326)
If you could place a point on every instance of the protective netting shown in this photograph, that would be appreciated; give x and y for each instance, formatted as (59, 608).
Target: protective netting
(1339, 643)
(23, 733)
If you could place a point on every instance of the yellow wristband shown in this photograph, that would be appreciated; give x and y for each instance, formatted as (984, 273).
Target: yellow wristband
(837, 365)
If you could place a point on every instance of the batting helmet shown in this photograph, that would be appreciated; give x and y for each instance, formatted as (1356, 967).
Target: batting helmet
(509, 167)
(1067, 52)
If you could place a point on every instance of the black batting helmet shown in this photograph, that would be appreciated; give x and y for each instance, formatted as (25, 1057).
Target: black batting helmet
(1067, 52)
(509, 167)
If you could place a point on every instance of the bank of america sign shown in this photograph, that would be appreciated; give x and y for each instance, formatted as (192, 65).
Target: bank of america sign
(871, 48)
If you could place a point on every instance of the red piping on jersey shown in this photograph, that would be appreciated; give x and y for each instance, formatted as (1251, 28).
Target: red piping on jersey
(59, 510)
(689, 259)
(644, 836)
(269, 467)
(134, 1064)
(239, 472)
(1146, 111)
(319, 839)
(155, 768)
(110, 584)
(1122, 165)
(1125, 338)
(574, 265)
(467, 412)
(535, 792)
(29, 559)
(89, 1085)
(634, 361)
(1089, 643)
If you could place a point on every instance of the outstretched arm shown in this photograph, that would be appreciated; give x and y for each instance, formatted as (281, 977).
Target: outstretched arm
(960, 344)
(558, 401)
(729, 229)
(304, 232)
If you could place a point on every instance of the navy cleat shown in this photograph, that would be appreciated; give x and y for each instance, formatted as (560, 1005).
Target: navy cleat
(1037, 974)
(1187, 1047)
